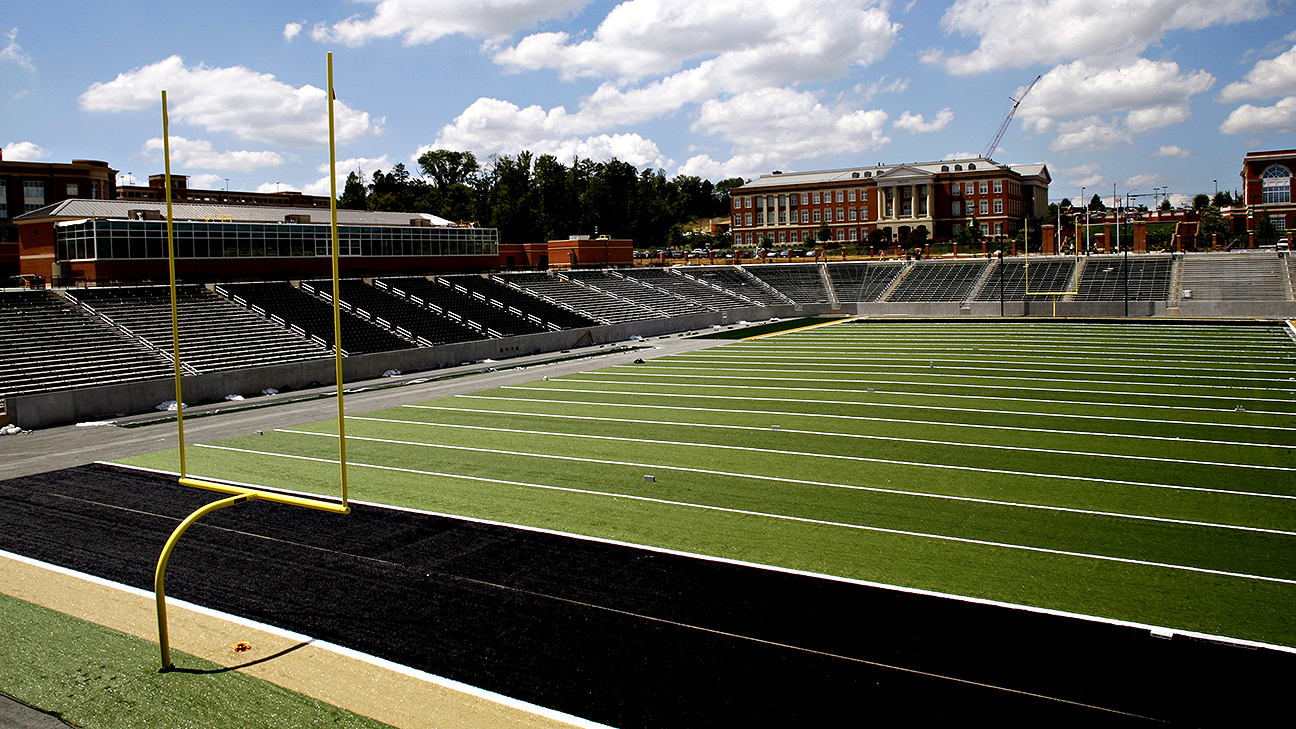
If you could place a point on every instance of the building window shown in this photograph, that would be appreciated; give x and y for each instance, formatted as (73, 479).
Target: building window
(985, 207)
(956, 208)
(851, 196)
(853, 215)
(749, 201)
(33, 195)
(841, 196)
(782, 201)
(737, 203)
(1276, 183)
(985, 229)
(985, 188)
(816, 198)
(816, 216)
(863, 213)
(782, 237)
(841, 215)
(1279, 222)
(854, 234)
(4, 199)
(998, 206)
(805, 198)
(760, 218)
(805, 216)
(782, 217)
(841, 235)
(769, 201)
(998, 228)
(955, 189)
(73, 189)
(998, 186)
(737, 220)
(748, 221)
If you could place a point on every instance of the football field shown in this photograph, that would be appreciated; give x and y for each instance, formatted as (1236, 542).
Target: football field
(1133, 472)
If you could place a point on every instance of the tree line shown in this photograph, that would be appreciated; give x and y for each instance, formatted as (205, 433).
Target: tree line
(535, 199)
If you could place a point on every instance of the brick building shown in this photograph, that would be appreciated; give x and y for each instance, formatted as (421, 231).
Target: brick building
(27, 186)
(894, 202)
(1267, 187)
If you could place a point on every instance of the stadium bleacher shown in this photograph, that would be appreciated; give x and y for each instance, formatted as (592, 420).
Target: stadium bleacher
(597, 305)
(314, 317)
(939, 281)
(669, 280)
(1014, 277)
(407, 319)
(1104, 278)
(1233, 277)
(863, 281)
(801, 283)
(517, 301)
(457, 303)
(738, 282)
(622, 287)
(214, 333)
(49, 344)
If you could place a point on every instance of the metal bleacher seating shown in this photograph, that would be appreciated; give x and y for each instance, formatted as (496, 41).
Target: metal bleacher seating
(1233, 277)
(1013, 279)
(215, 334)
(800, 282)
(408, 319)
(684, 287)
(622, 287)
(313, 316)
(939, 281)
(595, 304)
(457, 303)
(49, 343)
(1104, 278)
(520, 303)
(738, 282)
(863, 281)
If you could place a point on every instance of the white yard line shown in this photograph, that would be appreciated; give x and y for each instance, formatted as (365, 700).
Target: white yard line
(766, 429)
(1001, 398)
(780, 517)
(792, 414)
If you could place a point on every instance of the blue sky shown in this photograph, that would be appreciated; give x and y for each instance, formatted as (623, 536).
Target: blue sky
(1140, 94)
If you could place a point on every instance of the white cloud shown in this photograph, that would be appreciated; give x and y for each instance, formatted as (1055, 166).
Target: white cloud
(1171, 150)
(881, 86)
(363, 166)
(276, 187)
(1089, 134)
(1143, 181)
(1082, 88)
(253, 106)
(199, 153)
(207, 181)
(1248, 119)
(1267, 79)
(1021, 33)
(291, 30)
(915, 124)
(763, 43)
(13, 53)
(24, 152)
(424, 21)
(492, 126)
(774, 126)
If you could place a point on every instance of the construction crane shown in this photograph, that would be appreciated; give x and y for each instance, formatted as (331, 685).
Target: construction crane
(989, 150)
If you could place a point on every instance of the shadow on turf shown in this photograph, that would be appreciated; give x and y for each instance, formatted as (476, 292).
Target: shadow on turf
(226, 669)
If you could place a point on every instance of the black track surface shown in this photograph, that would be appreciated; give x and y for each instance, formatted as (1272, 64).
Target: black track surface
(630, 637)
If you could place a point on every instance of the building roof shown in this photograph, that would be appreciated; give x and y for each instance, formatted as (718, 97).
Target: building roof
(209, 212)
(849, 174)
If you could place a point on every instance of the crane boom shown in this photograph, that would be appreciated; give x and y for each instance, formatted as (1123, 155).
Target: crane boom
(989, 150)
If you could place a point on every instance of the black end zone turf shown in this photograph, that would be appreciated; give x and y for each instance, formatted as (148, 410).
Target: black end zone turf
(625, 636)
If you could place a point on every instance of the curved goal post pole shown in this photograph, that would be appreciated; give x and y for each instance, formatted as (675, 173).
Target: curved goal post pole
(238, 494)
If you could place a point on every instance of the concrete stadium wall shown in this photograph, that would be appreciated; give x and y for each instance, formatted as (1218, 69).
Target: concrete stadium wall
(1235, 309)
(108, 401)
(1043, 308)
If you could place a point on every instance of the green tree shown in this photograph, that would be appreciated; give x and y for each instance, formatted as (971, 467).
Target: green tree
(1210, 224)
(1201, 201)
(354, 193)
(1222, 199)
(452, 176)
(1096, 204)
(1266, 234)
(1165, 206)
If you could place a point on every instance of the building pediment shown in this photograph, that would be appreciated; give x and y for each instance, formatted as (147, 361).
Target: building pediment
(903, 174)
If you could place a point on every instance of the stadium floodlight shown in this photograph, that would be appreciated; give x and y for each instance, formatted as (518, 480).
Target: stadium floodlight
(238, 494)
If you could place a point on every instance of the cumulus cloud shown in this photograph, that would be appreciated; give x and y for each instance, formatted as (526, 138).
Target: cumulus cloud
(253, 106)
(774, 126)
(291, 30)
(1267, 79)
(1248, 119)
(1089, 134)
(1171, 150)
(764, 43)
(13, 53)
(915, 124)
(25, 152)
(1082, 88)
(423, 21)
(492, 126)
(199, 153)
(1021, 33)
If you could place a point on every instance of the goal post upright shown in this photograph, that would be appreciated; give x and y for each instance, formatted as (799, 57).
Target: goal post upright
(237, 494)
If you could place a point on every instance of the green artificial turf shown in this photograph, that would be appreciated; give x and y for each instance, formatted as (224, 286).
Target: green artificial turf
(98, 678)
(1096, 469)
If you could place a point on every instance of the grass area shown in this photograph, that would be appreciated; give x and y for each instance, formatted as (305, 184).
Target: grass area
(1134, 472)
(99, 678)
